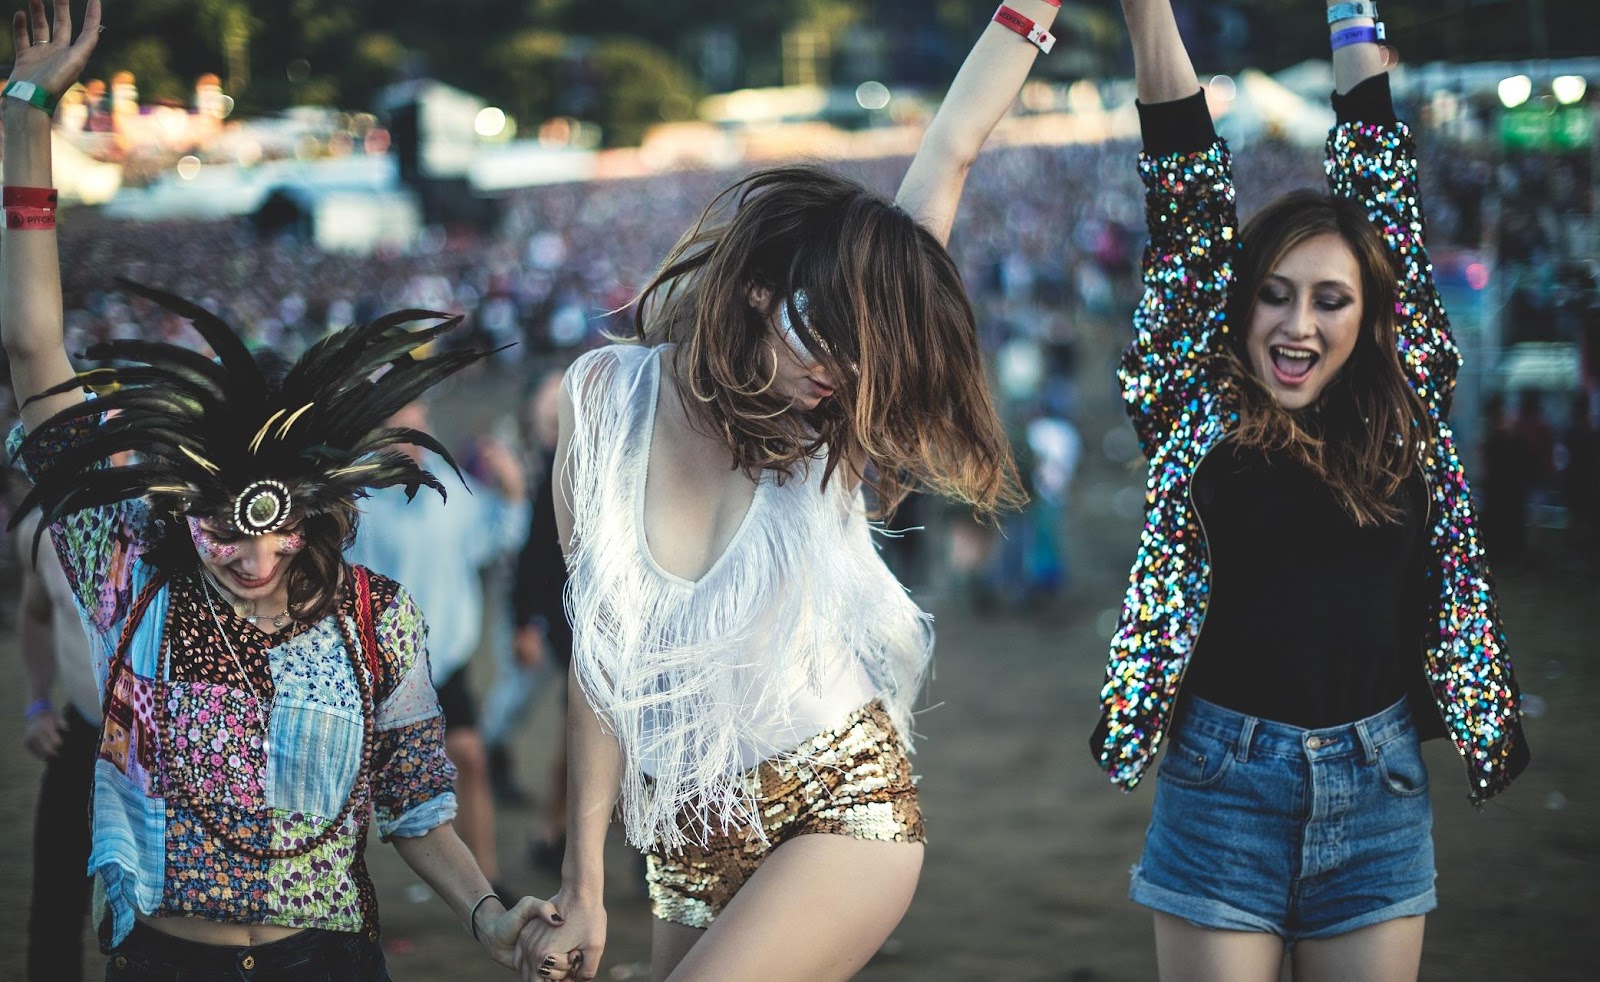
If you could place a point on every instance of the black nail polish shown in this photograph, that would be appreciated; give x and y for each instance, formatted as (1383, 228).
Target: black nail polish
(557, 919)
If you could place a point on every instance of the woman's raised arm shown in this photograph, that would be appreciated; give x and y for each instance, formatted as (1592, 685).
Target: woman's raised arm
(1161, 66)
(983, 90)
(48, 61)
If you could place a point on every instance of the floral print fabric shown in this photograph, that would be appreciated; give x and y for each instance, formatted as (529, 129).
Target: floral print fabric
(207, 715)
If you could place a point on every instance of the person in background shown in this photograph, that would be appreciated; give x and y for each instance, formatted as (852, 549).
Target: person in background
(438, 545)
(542, 638)
(55, 652)
(1581, 481)
(1509, 471)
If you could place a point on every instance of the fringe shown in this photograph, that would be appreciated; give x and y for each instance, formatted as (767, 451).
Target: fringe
(686, 675)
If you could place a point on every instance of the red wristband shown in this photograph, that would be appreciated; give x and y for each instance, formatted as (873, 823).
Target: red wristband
(1036, 35)
(28, 197)
(30, 219)
(1053, 3)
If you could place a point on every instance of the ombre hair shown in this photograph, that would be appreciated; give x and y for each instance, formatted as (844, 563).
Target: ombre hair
(1364, 432)
(885, 313)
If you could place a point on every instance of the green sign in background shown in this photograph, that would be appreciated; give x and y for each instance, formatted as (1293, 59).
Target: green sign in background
(1541, 127)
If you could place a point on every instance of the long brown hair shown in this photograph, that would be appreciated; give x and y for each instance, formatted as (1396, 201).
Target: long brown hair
(887, 316)
(1363, 434)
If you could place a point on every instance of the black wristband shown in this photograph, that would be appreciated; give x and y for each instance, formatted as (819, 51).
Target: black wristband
(1180, 126)
(1369, 102)
(472, 918)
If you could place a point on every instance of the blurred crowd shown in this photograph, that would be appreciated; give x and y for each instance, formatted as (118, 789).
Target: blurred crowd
(1048, 239)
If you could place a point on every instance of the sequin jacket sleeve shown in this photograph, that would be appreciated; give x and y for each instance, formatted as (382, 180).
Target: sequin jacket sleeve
(1188, 266)
(1376, 165)
(412, 777)
(1468, 666)
(98, 547)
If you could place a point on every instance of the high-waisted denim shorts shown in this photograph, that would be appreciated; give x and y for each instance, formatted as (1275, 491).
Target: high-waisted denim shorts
(1261, 826)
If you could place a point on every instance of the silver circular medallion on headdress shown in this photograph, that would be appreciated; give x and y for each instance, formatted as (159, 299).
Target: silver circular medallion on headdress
(262, 507)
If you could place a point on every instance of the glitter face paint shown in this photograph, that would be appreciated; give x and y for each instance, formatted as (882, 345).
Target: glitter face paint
(210, 549)
(790, 335)
(290, 543)
(1181, 409)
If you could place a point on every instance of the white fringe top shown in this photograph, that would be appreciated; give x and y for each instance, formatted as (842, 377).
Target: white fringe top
(797, 624)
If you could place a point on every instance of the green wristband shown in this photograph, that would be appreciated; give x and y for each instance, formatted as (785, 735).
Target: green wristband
(32, 95)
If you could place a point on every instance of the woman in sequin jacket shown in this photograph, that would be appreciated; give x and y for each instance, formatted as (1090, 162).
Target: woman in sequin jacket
(1325, 568)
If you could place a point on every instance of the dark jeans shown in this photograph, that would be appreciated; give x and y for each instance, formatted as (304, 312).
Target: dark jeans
(147, 955)
(59, 909)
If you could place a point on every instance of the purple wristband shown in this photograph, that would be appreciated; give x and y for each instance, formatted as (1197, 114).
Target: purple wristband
(38, 707)
(1355, 35)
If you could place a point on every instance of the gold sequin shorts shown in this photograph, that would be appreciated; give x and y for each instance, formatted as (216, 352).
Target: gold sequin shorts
(852, 780)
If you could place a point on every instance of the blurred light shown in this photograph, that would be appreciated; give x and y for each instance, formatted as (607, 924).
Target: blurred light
(298, 70)
(189, 167)
(1568, 88)
(226, 103)
(872, 95)
(1477, 276)
(1223, 88)
(1038, 97)
(1514, 91)
(491, 122)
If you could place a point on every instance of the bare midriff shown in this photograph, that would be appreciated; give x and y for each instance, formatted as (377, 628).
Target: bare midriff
(203, 931)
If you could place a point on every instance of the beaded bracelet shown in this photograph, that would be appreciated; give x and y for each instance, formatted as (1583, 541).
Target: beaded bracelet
(32, 95)
(1035, 34)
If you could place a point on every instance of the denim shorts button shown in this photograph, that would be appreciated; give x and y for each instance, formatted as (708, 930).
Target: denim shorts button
(248, 962)
(1317, 743)
(122, 963)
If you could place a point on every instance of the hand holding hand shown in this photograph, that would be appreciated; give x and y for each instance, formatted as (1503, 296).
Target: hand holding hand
(573, 951)
(500, 932)
(43, 737)
(46, 54)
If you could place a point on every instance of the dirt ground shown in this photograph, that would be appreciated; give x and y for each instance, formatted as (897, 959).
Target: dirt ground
(1027, 865)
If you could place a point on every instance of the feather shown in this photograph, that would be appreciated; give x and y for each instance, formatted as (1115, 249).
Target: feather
(243, 372)
(204, 428)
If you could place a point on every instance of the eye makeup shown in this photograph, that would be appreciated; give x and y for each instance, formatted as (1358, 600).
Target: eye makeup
(792, 336)
(213, 548)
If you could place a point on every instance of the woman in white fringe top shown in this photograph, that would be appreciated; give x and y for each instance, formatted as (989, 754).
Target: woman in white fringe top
(744, 663)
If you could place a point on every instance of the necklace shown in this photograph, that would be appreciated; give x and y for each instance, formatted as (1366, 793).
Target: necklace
(360, 791)
(266, 710)
(245, 610)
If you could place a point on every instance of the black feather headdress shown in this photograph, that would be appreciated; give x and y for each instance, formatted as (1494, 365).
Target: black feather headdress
(222, 439)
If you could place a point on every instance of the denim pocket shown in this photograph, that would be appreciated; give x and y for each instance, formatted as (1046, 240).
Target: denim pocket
(1196, 759)
(1405, 775)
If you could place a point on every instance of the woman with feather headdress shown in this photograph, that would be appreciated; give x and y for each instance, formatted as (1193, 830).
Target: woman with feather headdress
(265, 701)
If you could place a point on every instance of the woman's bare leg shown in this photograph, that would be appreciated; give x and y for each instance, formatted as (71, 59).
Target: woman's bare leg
(817, 910)
(1387, 952)
(1186, 953)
